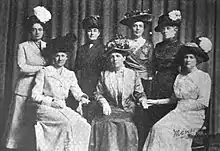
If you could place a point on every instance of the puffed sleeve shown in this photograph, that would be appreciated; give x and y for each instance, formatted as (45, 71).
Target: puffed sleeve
(37, 91)
(22, 63)
(204, 85)
(75, 89)
(138, 87)
(99, 93)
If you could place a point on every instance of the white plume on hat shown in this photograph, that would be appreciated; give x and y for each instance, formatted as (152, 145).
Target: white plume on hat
(42, 14)
(175, 15)
(205, 44)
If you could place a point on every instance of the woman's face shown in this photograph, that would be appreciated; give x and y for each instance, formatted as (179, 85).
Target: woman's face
(116, 60)
(190, 61)
(60, 59)
(138, 29)
(93, 33)
(169, 32)
(37, 31)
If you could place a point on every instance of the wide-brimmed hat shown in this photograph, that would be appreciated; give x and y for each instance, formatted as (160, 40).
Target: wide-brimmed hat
(135, 15)
(40, 15)
(118, 44)
(93, 21)
(172, 18)
(200, 47)
(61, 44)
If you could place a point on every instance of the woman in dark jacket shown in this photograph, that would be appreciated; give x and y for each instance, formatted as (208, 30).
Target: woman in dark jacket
(165, 68)
(89, 59)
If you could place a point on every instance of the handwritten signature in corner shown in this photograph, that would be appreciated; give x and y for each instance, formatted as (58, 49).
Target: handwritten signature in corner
(184, 133)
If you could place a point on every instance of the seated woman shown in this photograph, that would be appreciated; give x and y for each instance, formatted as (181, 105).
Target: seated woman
(58, 127)
(192, 91)
(117, 91)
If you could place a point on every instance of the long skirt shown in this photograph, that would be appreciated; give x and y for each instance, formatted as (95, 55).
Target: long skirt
(19, 130)
(174, 131)
(61, 130)
(115, 132)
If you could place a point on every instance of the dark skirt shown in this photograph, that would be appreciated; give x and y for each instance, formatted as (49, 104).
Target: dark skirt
(115, 132)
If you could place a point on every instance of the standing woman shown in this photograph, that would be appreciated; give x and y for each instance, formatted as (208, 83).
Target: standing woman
(89, 60)
(165, 68)
(29, 61)
(140, 57)
(89, 56)
(192, 89)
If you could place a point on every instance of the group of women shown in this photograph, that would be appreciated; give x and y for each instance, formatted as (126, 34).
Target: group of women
(118, 79)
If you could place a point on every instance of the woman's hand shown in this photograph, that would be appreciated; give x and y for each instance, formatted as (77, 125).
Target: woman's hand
(57, 104)
(145, 103)
(79, 109)
(106, 108)
(84, 100)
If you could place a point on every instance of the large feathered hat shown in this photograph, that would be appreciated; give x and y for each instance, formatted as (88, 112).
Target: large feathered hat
(60, 44)
(136, 15)
(172, 18)
(92, 21)
(118, 44)
(200, 47)
(39, 15)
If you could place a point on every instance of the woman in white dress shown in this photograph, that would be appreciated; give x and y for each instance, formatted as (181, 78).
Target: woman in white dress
(192, 92)
(58, 127)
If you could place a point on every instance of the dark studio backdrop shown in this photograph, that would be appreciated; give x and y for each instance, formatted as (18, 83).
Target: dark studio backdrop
(200, 17)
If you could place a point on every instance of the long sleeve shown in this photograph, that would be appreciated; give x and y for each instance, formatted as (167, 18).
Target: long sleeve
(22, 63)
(204, 85)
(154, 63)
(99, 93)
(75, 89)
(138, 88)
(37, 91)
(204, 89)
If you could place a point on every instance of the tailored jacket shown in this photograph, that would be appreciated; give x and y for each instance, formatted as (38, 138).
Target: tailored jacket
(131, 89)
(50, 85)
(89, 64)
(29, 61)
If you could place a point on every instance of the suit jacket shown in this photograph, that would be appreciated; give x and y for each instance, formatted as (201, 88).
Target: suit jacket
(29, 61)
(89, 64)
(51, 85)
(130, 90)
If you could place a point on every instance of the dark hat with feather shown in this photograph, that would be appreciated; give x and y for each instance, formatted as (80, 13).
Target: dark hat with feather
(39, 15)
(92, 21)
(199, 47)
(60, 44)
(172, 18)
(118, 44)
(135, 15)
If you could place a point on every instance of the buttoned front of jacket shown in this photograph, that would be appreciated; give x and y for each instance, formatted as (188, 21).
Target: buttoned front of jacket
(130, 85)
(30, 61)
(50, 84)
